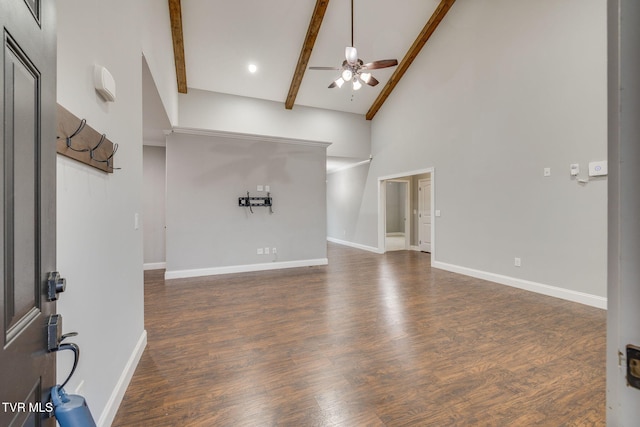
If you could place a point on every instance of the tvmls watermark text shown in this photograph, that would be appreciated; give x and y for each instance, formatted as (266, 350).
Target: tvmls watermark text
(31, 407)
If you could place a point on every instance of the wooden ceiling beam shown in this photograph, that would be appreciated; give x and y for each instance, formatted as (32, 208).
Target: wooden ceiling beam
(413, 52)
(305, 53)
(175, 15)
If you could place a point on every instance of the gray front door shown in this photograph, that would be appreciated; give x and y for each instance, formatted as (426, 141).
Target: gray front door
(27, 209)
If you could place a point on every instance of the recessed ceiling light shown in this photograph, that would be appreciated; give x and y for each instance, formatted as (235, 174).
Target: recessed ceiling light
(253, 68)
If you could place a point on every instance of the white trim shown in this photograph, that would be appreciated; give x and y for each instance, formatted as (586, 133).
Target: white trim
(248, 136)
(355, 245)
(154, 266)
(113, 404)
(539, 288)
(213, 271)
(414, 248)
(406, 174)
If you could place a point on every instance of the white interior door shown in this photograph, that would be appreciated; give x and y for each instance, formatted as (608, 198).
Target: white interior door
(424, 215)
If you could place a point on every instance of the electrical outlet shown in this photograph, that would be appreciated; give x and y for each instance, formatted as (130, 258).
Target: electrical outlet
(260, 251)
(517, 262)
(274, 251)
(547, 172)
(266, 251)
(259, 188)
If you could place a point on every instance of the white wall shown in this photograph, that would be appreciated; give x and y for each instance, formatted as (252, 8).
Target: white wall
(208, 233)
(349, 134)
(501, 91)
(99, 251)
(154, 174)
(345, 190)
(157, 46)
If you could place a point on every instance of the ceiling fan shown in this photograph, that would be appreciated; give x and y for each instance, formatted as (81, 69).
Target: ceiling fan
(354, 69)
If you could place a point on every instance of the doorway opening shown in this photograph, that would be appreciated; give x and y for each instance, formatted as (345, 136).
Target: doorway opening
(406, 209)
(397, 226)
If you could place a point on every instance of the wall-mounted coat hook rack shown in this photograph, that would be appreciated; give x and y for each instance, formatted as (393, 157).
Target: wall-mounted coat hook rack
(250, 202)
(77, 140)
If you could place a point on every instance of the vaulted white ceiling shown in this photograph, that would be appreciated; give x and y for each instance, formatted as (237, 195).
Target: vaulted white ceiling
(221, 38)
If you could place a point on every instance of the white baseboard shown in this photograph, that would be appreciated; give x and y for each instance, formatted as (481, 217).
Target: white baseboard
(111, 408)
(553, 291)
(355, 245)
(414, 248)
(181, 274)
(154, 266)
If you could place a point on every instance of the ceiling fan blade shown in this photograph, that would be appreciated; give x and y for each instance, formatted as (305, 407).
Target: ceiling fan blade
(351, 53)
(384, 63)
(372, 81)
(325, 68)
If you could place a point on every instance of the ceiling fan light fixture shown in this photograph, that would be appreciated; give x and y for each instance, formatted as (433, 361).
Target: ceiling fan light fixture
(351, 54)
(352, 67)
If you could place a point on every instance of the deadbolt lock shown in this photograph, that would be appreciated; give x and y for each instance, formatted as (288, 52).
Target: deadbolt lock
(55, 285)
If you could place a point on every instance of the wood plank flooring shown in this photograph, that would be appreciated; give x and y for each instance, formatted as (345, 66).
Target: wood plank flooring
(369, 340)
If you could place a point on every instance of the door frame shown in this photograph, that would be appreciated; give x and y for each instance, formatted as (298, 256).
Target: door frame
(382, 206)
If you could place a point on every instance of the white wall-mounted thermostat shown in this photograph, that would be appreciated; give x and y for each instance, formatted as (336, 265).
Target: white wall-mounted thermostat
(104, 83)
(598, 168)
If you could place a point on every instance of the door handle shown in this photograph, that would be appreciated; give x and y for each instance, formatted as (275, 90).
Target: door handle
(55, 285)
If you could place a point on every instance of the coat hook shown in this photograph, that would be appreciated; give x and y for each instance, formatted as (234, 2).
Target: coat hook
(83, 122)
(102, 138)
(108, 159)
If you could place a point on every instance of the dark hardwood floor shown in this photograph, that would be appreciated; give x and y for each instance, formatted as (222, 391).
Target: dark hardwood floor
(369, 340)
